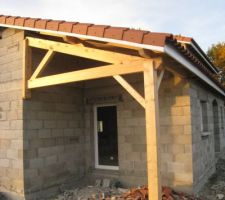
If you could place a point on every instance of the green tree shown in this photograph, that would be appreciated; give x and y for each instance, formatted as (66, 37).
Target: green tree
(216, 53)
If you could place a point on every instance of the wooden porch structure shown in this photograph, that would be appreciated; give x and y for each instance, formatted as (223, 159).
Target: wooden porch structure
(119, 64)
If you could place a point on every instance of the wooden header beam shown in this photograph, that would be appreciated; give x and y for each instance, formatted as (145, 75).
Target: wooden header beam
(86, 74)
(81, 51)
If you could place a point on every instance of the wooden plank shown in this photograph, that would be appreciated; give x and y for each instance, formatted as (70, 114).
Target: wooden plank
(47, 58)
(81, 51)
(130, 90)
(160, 78)
(152, 131)
(27, 69)
(86, 74)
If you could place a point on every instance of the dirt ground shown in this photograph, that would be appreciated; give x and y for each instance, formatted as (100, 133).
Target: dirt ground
(107, 189)
(215, 187)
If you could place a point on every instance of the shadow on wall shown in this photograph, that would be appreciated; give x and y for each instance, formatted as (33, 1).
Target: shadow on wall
(9, 196)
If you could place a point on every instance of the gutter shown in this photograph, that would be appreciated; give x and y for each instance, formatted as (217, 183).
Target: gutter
(200, 53)
(188, 65)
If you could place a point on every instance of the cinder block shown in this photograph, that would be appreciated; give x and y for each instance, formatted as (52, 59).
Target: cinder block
(4, 162)
(35, 124)
(44, 133)
(50, 160)
(36, 163)
(13, 154)
(50, 124)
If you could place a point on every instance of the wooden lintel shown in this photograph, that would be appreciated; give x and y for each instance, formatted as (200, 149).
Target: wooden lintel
(47, 58)
(81, 51)
(27, 67)
(87, 74)
(152, 131)
(160, 77)
(130, 90)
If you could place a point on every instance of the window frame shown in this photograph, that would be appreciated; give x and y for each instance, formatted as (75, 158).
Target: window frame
(204, 111)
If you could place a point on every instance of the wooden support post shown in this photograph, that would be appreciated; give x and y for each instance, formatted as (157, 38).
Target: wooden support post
(152, 131)
(27, 69)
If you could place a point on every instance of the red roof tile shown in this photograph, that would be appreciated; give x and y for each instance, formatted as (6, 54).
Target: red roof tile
(81, 28)
(66, 26)
(97, 30)
(118, 33)
(115, 33)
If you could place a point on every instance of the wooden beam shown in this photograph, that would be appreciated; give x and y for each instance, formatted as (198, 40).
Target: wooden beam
(152, 131)
(86, 74)
(47, 58)
(160, 77)
(130, 90)
(27, 69)
(81, 51)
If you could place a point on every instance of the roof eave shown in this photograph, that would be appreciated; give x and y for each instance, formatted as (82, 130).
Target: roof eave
(188, 65)
(122, 42)
(195, 46)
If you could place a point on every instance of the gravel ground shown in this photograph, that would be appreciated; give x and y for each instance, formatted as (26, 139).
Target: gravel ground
(215, 187)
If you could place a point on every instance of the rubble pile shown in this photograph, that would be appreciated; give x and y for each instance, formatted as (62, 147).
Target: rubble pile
(104, 190)
(169, 194)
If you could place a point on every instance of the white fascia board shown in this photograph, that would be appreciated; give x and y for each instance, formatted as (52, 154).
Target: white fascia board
(171, 51)
(133, 44)
(196, 49)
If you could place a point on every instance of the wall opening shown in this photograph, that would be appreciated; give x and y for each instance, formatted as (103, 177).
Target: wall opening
(216, 129)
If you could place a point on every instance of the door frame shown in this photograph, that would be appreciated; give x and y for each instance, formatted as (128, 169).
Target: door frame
(97, 166)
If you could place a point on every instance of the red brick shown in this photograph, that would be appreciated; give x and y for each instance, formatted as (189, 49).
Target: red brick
(30, 22)
(134, 35)
(157, 39)
(3, 19)
(114, 33)
(10, 20)
(81, 28)
(20, 21)
(97, 30)
(66, 26)
(41, 24)
(53, 25)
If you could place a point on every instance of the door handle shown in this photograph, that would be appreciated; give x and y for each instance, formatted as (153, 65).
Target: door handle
(100, 126)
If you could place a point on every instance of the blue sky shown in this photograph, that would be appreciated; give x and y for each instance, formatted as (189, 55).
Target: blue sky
(202, 20)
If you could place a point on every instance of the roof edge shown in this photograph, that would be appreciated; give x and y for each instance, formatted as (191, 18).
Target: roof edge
(171, 51)
(133, 44)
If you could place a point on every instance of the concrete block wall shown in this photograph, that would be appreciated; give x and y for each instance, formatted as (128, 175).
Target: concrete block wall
(204, 157)
(175, 120)
(131, 130)
(175, 133)
(53, 138)
(11, 105)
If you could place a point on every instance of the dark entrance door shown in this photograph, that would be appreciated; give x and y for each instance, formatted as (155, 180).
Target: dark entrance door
(107, 136)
